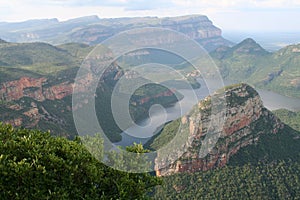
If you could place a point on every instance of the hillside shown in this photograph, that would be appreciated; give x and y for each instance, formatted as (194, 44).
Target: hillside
(289, 117)
(34, 165)
(36, 84)
(279, 180)
(38, 58)
(250, 63)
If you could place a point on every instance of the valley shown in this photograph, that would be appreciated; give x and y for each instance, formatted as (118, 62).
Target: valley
(192, 138)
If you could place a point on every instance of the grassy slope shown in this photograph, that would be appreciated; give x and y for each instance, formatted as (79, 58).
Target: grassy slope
(278, 71)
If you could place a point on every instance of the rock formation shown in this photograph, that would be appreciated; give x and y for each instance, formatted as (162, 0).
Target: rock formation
(245, 119)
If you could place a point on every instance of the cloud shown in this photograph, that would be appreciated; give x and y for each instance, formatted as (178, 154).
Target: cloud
(126, 4)
(259, 14)
(238, 4)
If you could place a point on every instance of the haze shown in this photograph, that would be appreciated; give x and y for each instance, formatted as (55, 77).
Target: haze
(230, 15)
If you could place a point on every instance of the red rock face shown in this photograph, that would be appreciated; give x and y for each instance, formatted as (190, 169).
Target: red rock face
(34, 88)
(58, 91)
(236, 133)
(15, 90)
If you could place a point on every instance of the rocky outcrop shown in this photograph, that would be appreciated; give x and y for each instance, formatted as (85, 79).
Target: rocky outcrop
(25, 86)
(245, 120)
(34, 88)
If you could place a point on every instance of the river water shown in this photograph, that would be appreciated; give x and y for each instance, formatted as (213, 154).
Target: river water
(159, 116)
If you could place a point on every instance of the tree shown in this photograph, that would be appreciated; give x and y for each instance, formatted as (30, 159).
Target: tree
(34, 165)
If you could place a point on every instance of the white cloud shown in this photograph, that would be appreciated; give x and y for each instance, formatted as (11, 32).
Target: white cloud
(227, 14)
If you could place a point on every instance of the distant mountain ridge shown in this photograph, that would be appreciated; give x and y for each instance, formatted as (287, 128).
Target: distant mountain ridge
(92, 30)
(249, 62)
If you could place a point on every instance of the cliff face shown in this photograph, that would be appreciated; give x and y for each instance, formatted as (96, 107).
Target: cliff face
(94, 30)
(33, 88)
(195, 26)
(45, 102)
(246, 120)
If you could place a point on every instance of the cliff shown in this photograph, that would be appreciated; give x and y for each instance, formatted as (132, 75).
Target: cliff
(195, 26)
(92, 30)
(246, 119)
(35, 89)
(46, 103)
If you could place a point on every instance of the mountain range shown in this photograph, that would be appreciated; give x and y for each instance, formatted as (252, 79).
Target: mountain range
(92, 30)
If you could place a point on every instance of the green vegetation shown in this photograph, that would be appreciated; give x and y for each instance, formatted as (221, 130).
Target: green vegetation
(250, 63)
(148, 95)
(60, 65)
(38, 58)
(164, 137)
(34, 165)
(267, 170)
(77, 50)
(289, 117)
(279, 180)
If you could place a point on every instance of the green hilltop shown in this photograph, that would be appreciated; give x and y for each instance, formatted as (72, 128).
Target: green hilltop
(249, 62)
(38, 58)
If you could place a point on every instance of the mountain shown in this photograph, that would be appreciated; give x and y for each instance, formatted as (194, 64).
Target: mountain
(92, 30)
(247, 47)
(249, 62)
(256, 156)
(248, 126)
(2, 41)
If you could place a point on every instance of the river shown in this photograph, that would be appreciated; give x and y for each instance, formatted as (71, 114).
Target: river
(159, 116)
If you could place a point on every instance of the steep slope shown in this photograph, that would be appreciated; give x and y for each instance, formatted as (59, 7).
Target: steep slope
(279, 180)
(289, 117)
(247, 124)
(282, 73)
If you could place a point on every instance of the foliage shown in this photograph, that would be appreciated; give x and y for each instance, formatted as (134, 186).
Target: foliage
(164, 137)
(268, 170)
(289, 117)
(248, 62)
(34, 165)
(270, 147)
(279, 180)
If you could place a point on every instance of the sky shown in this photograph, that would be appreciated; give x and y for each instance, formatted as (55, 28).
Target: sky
(233, 15)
